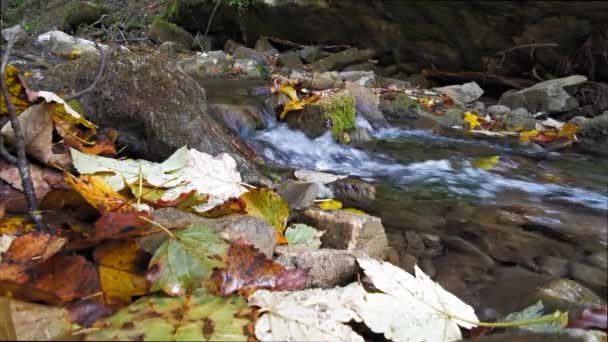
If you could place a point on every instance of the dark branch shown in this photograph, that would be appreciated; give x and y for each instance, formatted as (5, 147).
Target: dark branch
(21, 159)
(97, 78)
(217, 5)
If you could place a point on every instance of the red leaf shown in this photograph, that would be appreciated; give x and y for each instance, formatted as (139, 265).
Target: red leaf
(248, 270)
(121, 224)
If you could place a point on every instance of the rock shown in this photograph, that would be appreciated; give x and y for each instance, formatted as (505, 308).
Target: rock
(418, 80)
(298, 195)
(527, 123)
(566, 295)
(431, 240)
(427, 266)
(290, 58)
(565, 335)
(63, 45)
(241, 118)
(498, 111)
(163, 31)
(593, 277)
(350, 231)
(353, 192)
(170, 48)
(552, 265)
(463, 246)
(335, 113)
(549, 96)
(385, 82)
(366, 66)
(264, 45)
(578, 120)
(463, 93)
(521, 112)
(403, 107)
(257, 231)
(17, 33)
(367, 105)
(206, 44)
(599, 259)
(230, 46)
(310, 54)
(414, 241)
(249, 54)
(341, 60)
(155, 107)
(317, 176)
(355, 136)
(213, 64)
(361, 78)
(327, 268)
(250, 69)
(82, 13)
(479, 107)
(595, 128)
(510, 218)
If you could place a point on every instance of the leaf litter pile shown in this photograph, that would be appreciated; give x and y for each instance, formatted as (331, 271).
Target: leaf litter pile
(93, 274)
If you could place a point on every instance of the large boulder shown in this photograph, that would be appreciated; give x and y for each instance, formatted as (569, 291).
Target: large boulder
(463, 93)
(83, 12)
(367, 104)
(552, 96)
(153, 104)
(343, 59)
(163, 31)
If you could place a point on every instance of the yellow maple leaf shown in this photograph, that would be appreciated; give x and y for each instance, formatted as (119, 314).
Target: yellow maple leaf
(297, 105)
(15, 89)
(486, 163)
(98, 193)
(471, 119)
(289, 91)
(527, 135)
(567, 130)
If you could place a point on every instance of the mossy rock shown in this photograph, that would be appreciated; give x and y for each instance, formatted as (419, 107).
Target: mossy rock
(163, 31)
(83, 12)
(335, 113)
(567, 295)
(405, 108)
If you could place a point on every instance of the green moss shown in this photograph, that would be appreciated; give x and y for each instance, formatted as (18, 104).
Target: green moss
(340, 109)
(162, 31)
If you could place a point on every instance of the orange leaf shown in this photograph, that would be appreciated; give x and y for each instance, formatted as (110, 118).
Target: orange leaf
(98, 193)
(248, 270)
(280, 238)
(231, 206)
(121, 224)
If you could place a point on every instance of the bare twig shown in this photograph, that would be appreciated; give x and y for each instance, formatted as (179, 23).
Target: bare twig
(5, 154)
(21, 159)
(526, 46)
(97, 78)
(217, 5)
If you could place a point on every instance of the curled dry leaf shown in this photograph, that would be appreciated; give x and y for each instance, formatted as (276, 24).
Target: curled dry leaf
(248, 269)
(98, 193)
(43, 179)
(197, 317)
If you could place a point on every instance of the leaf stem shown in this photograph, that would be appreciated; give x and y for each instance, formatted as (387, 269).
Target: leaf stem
(160, 226)
(561, 317)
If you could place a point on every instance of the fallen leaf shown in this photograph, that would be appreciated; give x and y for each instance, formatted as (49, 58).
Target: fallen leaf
(231, 206)
(37, 322)
(98, 193)
(101, 147)
(301, 234)
(121, 267)
(15, 89)
(308, 315)
(114, 225)
(527, 135)
(153, 196)
(37, 125)
(567, 130)
(27, 251)
(59, 280)
(248, 269)
(198, 317)
(356, 211)
(289, 91)
(298, 104)
(472, 120)
(15, 225)
(182, 264)
(591, 318)
(486, 163)
(5, 242)
(268, 205)
(330, 205)
(411, 308)
(533, 312)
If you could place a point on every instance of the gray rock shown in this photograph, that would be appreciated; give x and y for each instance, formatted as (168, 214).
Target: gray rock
(353, 192)
(212, 64)
(326, 267)
(578, 120)
(341, 60)
(358, 136)
(463, 246)
(528, 123)
(431, 240)
(566, 295)
(62, 44)
(310, 54)
(366, 66)
(242, 119)
(250, 69)
(257, 231)
(521, 112)
(361, 78)
(163, 31)
(170, 48)
(249, 54)
(417, 80)
(595, 128)
(565, 335)
(593, 277)
(498, 111)
(83, 12)
(479, 107)
(599, 259)
(298, 195)
(463, 93)
(549, 96)
(350, 231)
(367, 105)
(230, 46)
(510, 218)
(427, 266)
(553, 265)
(290, 58)
(159, 107)
(264, 45)
(16, 33)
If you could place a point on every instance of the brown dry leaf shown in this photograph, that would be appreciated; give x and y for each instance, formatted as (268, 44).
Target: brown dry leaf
(114, 225)
(122, 265)
(98, 193)
(59, 280)
(248, 270)
(101, 145)
(43, 179)
(15, 89)
(37, 125)
(231, 206)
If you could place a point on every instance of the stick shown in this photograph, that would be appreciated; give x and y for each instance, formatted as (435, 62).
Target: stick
(217, 5)
(526, 46)
(97, 78)
(21, 159)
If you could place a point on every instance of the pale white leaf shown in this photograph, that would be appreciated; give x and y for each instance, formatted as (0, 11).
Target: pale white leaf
(308, 315)
(552, 123)
(216, 176)
(5, 242)
(411, 308)
(52, 97)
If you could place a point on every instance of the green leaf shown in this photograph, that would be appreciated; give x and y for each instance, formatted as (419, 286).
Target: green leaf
(199, 317)
(268, 205)
(185, 262)
(533, 312)
(301, 234)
